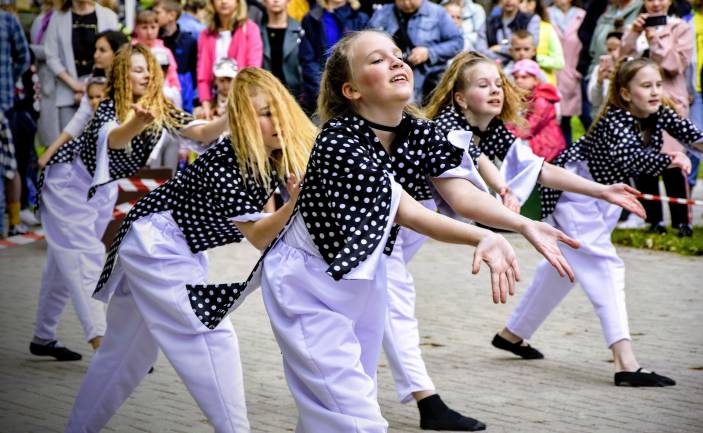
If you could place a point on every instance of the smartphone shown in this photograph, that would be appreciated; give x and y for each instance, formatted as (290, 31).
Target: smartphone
(654, 21)
(606, 62)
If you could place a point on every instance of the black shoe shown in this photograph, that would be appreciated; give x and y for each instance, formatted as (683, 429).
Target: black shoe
(657, 229)
(60, 353)
(524, 352)
(639, 378)
(685, 231)
(436, 415)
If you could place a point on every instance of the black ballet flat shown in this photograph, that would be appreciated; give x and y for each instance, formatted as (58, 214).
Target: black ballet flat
(50, 349)
(524, 352)
(639, 378)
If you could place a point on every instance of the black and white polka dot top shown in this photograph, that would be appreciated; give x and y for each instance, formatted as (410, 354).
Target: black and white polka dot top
(202, 201)
(345, 201)
(122, 162)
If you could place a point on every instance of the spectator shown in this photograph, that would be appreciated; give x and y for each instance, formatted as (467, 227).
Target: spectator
(69, 45)
(500, 28)
(594, 9)
(14, 60)
(95, 89)
(696, 112)
(543, 134)
(426, 35)
(106, 45)
(230, 34)
(599, 81)
(164, 58)
(670, 45)
(188, 21)
(566, 20)
(472, 19)
(626, 10)
(522, 47)
(453, 8)
(323, 26)
(183, 46)
(224, 72)
(550, 55)
(281, 37)
(146, 32)
(48, 114)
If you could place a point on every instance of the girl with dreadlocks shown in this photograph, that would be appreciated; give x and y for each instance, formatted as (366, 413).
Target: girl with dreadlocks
(157, 265)
(625, 141)
(75, 212)
(324, 277)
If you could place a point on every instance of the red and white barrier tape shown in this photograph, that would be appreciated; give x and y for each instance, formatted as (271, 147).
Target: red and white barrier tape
(121, 210)
(17, 240)
(652, 197)
(135, 184)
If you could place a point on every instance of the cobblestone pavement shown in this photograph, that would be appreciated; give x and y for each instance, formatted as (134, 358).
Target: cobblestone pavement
(569, 391)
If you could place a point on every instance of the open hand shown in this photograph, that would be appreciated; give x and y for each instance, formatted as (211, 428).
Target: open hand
(142, 115)
(497, 253)
(679, 159)
(545, 239)
(625, 196)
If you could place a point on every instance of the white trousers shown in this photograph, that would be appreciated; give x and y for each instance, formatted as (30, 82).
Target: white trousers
(401, 339)
(74, 227)
(330, 336)
(150, 311)
(596, 266)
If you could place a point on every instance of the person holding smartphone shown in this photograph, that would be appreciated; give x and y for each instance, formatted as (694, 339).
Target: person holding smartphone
(668, 41)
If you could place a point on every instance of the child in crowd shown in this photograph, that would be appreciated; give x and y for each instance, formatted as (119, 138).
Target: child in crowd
(95, 87)
(225, 70)
(146, 32)
(522, 47)
(172, 93)
(182, 44)
(543, 131)
(281, 37)
(453, 8)
(599, 80)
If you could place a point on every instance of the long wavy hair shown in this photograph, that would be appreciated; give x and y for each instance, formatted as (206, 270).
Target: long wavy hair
(295, 130)
(331, 102)
(456, 79)
(119, 88)
(214, 22)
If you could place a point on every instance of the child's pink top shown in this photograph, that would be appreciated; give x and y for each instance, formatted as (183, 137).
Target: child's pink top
(246, 49)
(171, 77)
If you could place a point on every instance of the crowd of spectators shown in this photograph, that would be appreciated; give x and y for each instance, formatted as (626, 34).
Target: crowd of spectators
(561, 52)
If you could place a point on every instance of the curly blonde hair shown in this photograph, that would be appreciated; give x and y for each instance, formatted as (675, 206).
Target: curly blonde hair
(294, 128)
(119, 88)
(456, 79)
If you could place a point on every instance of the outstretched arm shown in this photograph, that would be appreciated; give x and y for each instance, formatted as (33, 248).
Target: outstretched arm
(469, 202)
(618, 194)
(121, 135)
(491, 248)
(206, 132)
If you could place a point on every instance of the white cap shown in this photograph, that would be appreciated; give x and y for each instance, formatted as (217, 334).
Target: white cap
(225, 68)
(161, 55)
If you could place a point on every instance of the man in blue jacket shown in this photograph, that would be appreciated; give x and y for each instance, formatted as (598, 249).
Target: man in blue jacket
(427, 36)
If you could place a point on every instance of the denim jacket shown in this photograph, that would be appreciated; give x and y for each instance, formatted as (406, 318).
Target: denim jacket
(429, 27)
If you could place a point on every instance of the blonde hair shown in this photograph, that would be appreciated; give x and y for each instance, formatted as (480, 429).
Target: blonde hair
(455, 80)
(238, 20)
(325, 4)
(294, 129)
(330, 101)
(119, 88)
(622, 74)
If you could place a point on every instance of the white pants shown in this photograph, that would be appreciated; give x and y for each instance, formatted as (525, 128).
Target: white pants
(74, 227)
(401, 339)
(330, 336)
(596, 266)
(151, 311)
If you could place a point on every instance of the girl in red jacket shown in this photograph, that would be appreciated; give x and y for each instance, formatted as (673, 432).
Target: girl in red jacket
(544, 133)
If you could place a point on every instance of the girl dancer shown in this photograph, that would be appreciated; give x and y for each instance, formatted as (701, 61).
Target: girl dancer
(323, 279)
(75, 222)
(161, 248)
(475, 95)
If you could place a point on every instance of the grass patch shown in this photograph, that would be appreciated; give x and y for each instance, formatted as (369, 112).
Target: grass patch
(638, 238)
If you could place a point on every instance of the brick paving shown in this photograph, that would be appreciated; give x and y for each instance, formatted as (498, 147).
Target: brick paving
(569, 391)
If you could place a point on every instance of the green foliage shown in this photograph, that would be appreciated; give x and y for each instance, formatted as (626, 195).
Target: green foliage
(692, 246)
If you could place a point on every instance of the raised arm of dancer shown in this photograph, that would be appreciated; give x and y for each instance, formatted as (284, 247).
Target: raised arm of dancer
(470, 202)
(121, 135)
(206, 132)
(489, 172)
(260, 233)
(491, 248)
(618, 194)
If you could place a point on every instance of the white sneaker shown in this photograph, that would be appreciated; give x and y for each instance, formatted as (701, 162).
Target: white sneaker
(27, 217)
(632, 222)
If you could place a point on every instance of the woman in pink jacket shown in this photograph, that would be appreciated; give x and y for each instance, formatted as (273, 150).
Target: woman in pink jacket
(566, 20)
(670, 44)
(229, 34)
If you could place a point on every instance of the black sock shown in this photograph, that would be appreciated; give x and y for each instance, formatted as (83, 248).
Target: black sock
(435, 415)
(432, 407)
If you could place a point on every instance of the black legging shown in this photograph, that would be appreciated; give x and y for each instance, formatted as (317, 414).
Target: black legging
(676, 186)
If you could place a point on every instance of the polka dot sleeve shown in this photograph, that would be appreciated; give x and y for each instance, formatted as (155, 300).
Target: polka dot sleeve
(627, 152)
(682, 129)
